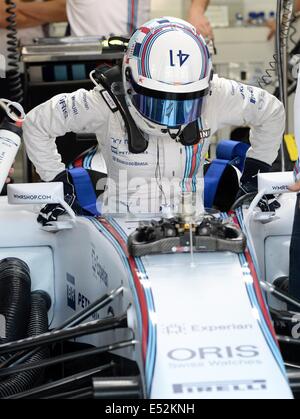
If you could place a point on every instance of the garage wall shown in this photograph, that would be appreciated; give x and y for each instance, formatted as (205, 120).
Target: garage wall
(167, 8)
(179, 8)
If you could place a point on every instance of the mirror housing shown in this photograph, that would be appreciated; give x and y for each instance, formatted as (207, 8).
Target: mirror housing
(42, 194)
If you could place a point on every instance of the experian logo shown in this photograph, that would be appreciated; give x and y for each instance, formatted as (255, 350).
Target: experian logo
(33, 197)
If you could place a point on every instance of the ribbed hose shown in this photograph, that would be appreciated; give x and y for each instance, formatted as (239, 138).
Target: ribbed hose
(294, 31)
(15, 285)
(38, 324)
(13, 62)
(284, 23)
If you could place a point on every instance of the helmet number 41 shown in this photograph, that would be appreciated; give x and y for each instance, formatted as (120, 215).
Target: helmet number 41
(182, 58)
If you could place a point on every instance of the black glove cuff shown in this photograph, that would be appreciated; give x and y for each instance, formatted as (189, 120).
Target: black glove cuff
(252, 168)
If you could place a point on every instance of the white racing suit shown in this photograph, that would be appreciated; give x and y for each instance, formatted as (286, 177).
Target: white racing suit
(141, 182)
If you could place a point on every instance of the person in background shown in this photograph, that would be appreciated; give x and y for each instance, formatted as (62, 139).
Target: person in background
(30, 16)
(33, 13)
(272, 23)
(122, 17)
(292, 284)
(198, 19)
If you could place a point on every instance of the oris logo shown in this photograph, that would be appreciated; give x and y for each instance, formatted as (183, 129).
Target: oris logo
(213, 353)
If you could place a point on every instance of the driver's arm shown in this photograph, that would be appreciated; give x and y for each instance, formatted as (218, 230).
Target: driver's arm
(236, 104)
(198, 19)
(32, 13)
(79, 112)
(11, 172)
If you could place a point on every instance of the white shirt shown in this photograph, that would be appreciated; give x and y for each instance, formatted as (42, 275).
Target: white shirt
(134, 178)
(25, 36)
(106, 17)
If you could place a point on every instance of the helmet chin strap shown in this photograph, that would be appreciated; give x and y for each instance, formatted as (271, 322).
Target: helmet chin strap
(173, 135)
(188, 135)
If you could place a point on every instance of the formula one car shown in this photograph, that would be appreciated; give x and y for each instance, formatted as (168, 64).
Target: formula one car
(145, 307)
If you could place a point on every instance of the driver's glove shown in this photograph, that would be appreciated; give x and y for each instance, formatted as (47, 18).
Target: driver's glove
(249, 184)
(51, 212)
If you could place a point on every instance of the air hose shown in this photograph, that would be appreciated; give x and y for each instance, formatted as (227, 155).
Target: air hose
(284, 24)
(294, 30)
(38, 324)
(15, 285)
(13, 57)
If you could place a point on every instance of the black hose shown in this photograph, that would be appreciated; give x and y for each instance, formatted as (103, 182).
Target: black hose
(13, 58)
(288, 18)
(280, 295)
(81, 393)
(284, 316)
(75, 320)
(15, 287)
(69, 357)
(290, 341)
(59, 336)
(61, 385)
(38, 324)
(293, 30)
(283, 26)
(267, 79)
(240, 201)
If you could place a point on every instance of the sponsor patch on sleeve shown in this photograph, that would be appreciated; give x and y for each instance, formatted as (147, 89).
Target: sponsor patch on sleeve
(109, 101)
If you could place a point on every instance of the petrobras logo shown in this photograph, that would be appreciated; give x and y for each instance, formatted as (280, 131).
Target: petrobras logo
(2, 66)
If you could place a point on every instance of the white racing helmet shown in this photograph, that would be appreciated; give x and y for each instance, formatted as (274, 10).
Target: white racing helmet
(167, 72)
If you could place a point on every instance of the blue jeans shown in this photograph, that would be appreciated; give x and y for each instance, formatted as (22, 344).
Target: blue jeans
(294, 283)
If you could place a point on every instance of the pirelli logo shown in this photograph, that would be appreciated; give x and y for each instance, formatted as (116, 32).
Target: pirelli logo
(220, 387)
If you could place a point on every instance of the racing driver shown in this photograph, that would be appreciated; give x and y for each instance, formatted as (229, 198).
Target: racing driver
(153, 120)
